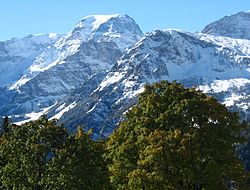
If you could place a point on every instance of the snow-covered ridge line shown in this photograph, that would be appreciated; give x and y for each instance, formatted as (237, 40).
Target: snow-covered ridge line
(33, 116)
(94, 21)
(112, 49)
(98, 28)
(234, 26)
(226, 42)
(43, 37)
(240, 48)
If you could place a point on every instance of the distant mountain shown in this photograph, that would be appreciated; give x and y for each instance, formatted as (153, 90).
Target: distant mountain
(93, 75)
(17, 55)
(216, 65)
(91, 48)
(233, 26)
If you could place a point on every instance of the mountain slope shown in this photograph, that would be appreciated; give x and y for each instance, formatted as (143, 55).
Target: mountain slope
(17, 55)
(192, 59)
(93, 74)
(234, 26)
(121, 30)
(91, 48)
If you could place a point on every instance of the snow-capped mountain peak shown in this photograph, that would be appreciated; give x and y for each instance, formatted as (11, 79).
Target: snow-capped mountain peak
(233, 26)
(93, 22)
(118, 28)
(121, 30)
(94, 73)
(89, 50)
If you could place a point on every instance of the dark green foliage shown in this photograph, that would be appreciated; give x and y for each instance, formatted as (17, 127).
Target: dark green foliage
(79, 165)
(175, 138)
(27, 150)
(5, 126)
(41, 155)
(243, 150)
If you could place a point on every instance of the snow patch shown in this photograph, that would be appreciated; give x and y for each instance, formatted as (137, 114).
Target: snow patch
(34, 115)
(60, 107)
(224, 85)
(229, 101)
(92, 109)
(66, 109)
(19, 83)
(116, 76)
(98, 20)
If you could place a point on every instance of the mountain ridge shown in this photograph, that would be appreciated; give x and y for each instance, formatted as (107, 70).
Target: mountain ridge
(159, 56)
(234, 26)
(70, 61)
(100, 78)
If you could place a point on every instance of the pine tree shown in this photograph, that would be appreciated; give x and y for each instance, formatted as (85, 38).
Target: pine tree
(6, 125)
(175, 138)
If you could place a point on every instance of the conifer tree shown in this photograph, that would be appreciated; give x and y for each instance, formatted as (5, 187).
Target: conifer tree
(6, 125)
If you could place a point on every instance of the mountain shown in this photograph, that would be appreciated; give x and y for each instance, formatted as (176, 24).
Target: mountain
(216, 65)
(92, 75)
(90, 49)
(18, 54)
(233, 26)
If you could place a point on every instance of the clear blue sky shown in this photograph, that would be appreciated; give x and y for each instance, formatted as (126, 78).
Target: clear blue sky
(22, 17)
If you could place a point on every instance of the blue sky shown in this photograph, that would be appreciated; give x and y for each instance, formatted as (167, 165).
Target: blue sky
(23, 17)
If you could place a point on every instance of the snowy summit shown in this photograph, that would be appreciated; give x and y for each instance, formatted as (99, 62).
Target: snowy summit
(95, 72)
(233, 26)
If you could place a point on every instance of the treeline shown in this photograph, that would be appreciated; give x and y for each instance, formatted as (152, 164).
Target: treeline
(174, 138)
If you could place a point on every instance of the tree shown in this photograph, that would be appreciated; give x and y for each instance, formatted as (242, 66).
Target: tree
(5, 128)
(79, 165)
(175, 138)
(6, 125)
(41, 155)
(27, 151)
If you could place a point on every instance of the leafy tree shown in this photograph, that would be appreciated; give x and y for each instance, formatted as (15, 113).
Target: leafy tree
(27, 151)
(41, 155)
(79, 165)
(175, 138)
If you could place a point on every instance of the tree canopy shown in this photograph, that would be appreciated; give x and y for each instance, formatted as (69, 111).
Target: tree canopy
(42, 155)
(175, 138)
(79, 165)
(5, 126)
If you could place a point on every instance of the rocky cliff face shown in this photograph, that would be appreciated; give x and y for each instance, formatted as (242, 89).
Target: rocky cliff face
(216, 65)
(233, 26)
(93, 75)
(92, 47)
(17, 55)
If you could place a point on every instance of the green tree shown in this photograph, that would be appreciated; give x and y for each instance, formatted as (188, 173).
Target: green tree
(79, 165)
(27, 151)
(175, 138)
(5, 126)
